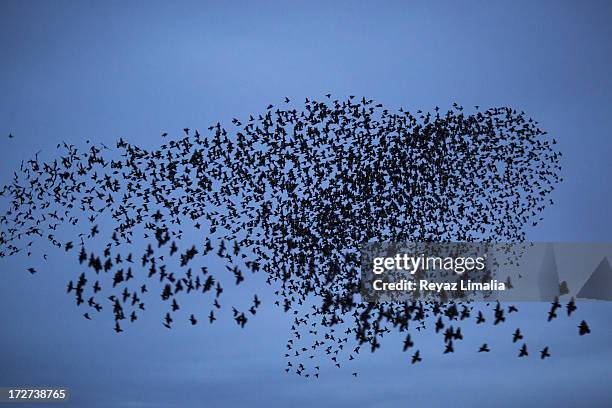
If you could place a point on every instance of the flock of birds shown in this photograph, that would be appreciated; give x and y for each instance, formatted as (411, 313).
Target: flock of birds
(289, 195)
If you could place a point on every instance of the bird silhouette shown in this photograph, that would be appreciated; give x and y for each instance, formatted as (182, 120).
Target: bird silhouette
(583, 328)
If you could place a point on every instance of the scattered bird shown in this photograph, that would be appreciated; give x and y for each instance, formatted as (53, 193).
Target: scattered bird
(583, 328)
(517, 335)
(571, 307)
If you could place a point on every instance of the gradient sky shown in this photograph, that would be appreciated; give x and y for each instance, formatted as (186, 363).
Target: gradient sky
(72, 71)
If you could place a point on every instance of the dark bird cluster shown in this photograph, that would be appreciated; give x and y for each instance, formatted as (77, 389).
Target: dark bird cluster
(290, 195)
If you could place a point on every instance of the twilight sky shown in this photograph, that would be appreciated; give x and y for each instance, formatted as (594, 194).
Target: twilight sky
(72, 71)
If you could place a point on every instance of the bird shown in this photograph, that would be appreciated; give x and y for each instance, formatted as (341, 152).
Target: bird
(552, 312)
(484, 348)
(571, 307)
(408, 343)
(583, 328)
(480, 319)
(517, 335)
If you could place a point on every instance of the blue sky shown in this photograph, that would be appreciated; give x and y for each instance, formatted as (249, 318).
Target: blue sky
(72, 71)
